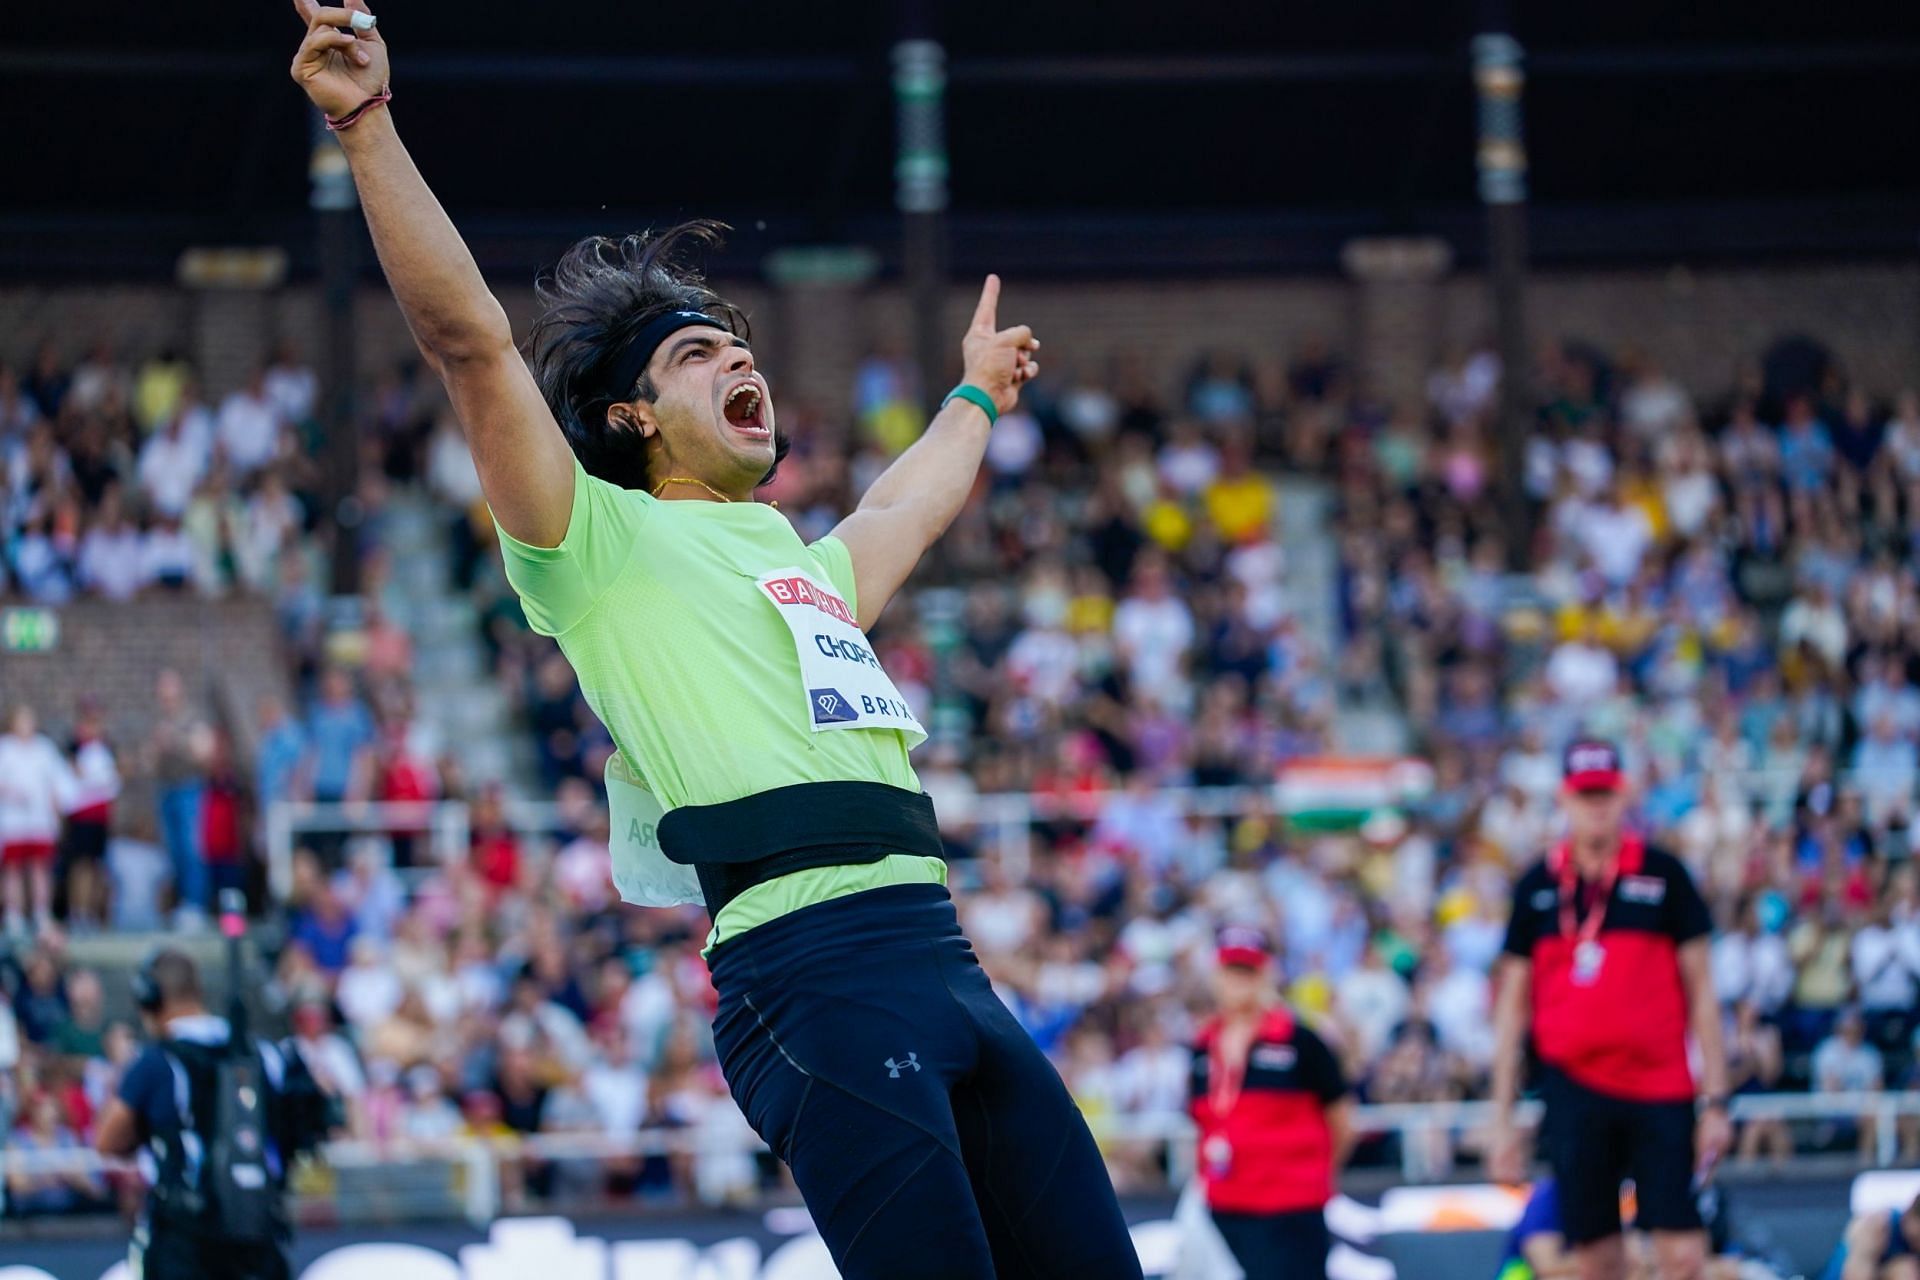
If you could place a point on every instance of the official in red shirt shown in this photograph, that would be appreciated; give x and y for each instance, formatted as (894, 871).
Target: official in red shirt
(1275, 1119)
(1605, 973)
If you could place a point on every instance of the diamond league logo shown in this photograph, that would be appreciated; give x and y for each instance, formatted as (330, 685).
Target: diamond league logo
(830, 706)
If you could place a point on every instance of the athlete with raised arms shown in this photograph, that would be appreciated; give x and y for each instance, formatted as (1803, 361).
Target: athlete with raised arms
(762, 764)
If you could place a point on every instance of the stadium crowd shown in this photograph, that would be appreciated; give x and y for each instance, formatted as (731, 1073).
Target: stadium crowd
(1722, 588)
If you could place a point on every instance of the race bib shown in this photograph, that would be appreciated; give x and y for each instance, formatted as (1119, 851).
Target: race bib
(844, 684)
(642, 872)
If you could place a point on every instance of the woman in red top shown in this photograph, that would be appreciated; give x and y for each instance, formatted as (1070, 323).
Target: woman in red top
(1275, 1119)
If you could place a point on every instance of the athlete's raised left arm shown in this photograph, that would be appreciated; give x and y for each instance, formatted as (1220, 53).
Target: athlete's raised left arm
(916, 498)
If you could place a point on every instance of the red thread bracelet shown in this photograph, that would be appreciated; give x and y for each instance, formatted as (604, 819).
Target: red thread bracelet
(352, 117)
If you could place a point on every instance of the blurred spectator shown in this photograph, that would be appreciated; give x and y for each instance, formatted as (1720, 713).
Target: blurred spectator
(1845, 1063)
(290, 386)
(223, 845)
(279, 754)
(250, 427)
(886, 399)
(160, 388)
(340, 736)
(40, 1001)
(112, 559)
(72, 1189)
(321, 924)
(177, 754)
(171, 466)
(36, 787)
(82, 1033)
(83, 851)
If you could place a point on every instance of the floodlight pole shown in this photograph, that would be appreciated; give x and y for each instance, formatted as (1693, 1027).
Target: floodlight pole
(1498, 78)
(920, 187)
(336, 210)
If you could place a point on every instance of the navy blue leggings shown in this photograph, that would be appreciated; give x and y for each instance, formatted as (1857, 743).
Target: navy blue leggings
(928, 1134)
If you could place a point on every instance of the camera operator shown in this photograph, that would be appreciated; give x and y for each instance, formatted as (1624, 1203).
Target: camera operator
(220, 1116)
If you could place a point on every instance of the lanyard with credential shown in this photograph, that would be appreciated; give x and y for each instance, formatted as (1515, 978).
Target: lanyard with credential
(1228, 1072)
(1588, 954)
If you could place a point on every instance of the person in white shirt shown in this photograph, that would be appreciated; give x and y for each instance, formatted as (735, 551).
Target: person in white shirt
(615, 1083)
(270, 521)
(89, 819)
(110, 561)
(1690, 490)
(290, 385)
(1654, 404)
(35, 786)
(1616, 537)
(1153, 630)
(1459, 1003)
(250, 428)
(1845, 1063)
(98, 378)
(1152, 1078)
(1582, 671)
(1886, 972)
(1372, 1000)
(171, 464)
(1814, 619)
(166, 555)
(1188, 463)
(1752, 964)
(368, 991)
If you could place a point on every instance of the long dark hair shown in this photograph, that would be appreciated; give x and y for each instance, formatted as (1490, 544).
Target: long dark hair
(593, 303)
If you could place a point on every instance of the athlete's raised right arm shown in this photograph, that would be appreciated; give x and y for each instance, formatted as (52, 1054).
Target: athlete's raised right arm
(525, 465)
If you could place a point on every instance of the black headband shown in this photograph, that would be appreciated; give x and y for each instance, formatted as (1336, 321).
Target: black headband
(625, 369)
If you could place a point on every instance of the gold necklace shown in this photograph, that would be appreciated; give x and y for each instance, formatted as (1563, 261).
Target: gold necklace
(690, 480)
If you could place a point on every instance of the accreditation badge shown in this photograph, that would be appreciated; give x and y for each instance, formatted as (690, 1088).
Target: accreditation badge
(843, 683)
(1588, 957)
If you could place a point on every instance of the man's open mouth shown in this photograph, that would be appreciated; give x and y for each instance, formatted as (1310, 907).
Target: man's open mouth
(742, 410)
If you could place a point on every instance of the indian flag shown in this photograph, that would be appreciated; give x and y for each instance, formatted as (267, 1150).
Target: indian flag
(1338, 793)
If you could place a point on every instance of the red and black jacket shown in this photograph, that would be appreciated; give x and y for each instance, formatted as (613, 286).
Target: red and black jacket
(1621, 1030)
(1265, 1146)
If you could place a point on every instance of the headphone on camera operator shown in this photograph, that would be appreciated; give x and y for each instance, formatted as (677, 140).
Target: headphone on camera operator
(217, 1116)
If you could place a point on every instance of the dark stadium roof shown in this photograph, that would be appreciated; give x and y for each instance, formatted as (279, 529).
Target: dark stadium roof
(1306, 121)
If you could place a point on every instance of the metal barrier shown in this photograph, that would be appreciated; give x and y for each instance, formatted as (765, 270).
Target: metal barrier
(1005, 818)
(481, 1160)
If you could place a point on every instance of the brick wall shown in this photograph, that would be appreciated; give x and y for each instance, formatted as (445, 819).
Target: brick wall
(1700, 322)
(228, 651)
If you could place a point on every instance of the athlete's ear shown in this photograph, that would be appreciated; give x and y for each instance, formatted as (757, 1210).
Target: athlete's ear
(636, 416)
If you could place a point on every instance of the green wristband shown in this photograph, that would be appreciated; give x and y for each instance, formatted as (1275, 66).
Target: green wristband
(973, 395)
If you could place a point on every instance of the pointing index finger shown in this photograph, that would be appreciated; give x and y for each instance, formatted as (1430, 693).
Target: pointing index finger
(305, 9)
(989, 304)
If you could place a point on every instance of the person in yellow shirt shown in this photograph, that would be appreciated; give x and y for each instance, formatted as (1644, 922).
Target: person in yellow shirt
(1240, 501)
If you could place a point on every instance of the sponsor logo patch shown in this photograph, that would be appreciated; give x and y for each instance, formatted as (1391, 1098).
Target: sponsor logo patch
(1643, 889)
(830, 706)
(1543, 899)
(1275, 1057)
(797, 591)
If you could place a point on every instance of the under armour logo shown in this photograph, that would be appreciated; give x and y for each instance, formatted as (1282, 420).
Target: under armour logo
(893, 1068)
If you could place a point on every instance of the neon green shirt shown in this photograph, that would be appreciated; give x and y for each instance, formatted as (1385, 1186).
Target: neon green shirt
(694, 673)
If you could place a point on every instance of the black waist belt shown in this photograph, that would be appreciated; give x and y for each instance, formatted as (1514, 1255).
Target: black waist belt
(741, 843)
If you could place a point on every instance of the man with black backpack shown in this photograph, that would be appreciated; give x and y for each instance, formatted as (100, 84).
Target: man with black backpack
(220, 1114)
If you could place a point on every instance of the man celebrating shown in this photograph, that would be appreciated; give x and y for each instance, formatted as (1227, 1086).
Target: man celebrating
(1606, 960)
(728, 661)
(1275, 1119)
